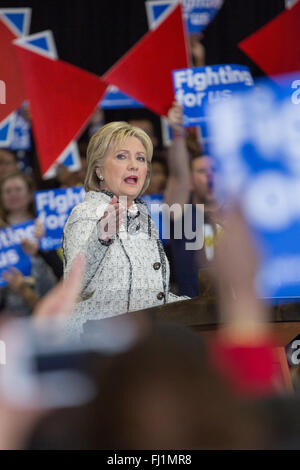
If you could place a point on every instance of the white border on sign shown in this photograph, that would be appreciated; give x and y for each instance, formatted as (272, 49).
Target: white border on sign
(290, 3)
(50, 54)
(72, 147)
(11, 26)
(152, 23)
(10, 119)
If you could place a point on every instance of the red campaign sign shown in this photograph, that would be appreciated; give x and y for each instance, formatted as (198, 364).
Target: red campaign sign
(275, 47)
(145, 71)
(62, 99)
(9, 73)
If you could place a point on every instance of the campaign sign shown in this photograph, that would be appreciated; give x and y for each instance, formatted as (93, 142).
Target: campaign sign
(290, 3)
(116, 99)
(11, 252)
(197, 13)
(199, 87)
(256, 143)
(53, 207)
(21, 139)
(154, 201)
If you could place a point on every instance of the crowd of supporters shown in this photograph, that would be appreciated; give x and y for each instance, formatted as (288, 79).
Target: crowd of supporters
(166, 387)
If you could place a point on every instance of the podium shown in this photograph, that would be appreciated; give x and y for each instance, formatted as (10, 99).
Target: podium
(201, 314)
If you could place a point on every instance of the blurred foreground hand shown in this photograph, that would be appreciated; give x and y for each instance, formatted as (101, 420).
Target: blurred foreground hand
(61, 300)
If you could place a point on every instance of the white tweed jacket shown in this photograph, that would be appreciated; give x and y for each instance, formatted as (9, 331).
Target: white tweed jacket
(130, 273)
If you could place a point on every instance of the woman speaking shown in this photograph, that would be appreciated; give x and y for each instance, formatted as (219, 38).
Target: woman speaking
(126, 266)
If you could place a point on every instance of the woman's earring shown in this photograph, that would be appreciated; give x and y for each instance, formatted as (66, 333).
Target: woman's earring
(101, 178)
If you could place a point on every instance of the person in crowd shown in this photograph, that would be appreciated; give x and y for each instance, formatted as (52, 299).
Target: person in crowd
(66, 178)
(16, 207)
(81, 173)
(147, 126)
(159, 174)
(18, 422)
(127, 268)
(96, 122)
(8, 162)
(195, 180)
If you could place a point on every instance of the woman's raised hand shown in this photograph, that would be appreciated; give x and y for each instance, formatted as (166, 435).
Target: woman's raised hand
(112, 218)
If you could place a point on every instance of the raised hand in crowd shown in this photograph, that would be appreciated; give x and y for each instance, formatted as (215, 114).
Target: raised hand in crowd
(14, 278)
(31, 247)
(197, 49)
(18, 284)
(61, 299)
(39, 229)
(236, 263)
(178, 185)
(175, 118)
(250, 356)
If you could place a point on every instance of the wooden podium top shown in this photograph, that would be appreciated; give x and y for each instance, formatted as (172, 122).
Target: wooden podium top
(202, 315)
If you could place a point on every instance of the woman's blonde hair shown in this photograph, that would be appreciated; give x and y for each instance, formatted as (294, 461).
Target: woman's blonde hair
(113, 133)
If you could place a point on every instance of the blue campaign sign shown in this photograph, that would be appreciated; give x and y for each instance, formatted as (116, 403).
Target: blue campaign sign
(197, 13)
(199, 87)
(256, 143)
(116, 99)
(21, 139)
(154, 202)
(53, 207)
(11, 252)
(7, 130)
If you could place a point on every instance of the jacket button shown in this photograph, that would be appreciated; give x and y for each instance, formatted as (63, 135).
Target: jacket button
(156, 266)
(160, 296)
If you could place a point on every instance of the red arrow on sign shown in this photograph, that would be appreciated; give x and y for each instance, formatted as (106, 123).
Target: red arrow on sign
(275, 47)
(145, 71)
(10, 73)
(62, 98)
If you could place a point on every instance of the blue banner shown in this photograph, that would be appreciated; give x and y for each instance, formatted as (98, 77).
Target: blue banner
(53, 207)
(11, 252)
(256, 143)
(197, 13)
(199, 87)
(116, 99)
